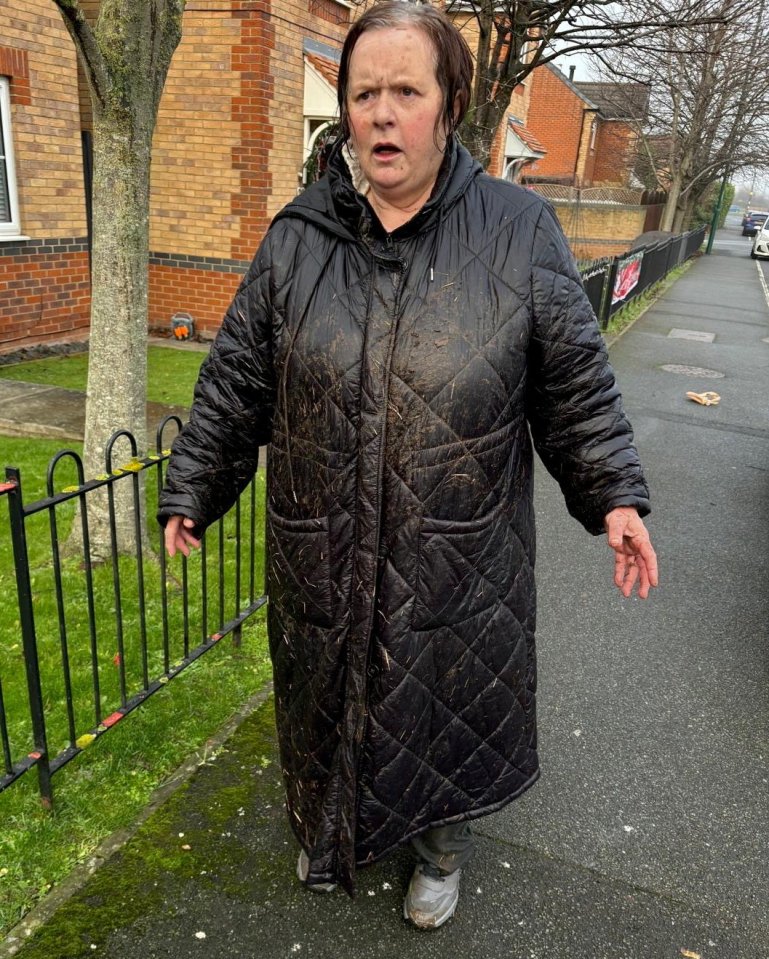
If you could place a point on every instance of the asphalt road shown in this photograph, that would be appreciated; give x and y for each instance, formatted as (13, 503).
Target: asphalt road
(646, 837)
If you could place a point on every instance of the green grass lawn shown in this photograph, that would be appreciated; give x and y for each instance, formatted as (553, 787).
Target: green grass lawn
(109, 783)
(171, 373)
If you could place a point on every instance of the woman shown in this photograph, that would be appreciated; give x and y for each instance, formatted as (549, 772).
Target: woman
(404, 324)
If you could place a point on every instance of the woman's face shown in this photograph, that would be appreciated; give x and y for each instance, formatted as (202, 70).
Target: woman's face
(393, 104)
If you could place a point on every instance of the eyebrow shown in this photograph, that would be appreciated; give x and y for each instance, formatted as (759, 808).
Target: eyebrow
(403, 80)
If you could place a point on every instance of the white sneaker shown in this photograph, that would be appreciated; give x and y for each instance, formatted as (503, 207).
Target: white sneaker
(432, 897)
(302, 871)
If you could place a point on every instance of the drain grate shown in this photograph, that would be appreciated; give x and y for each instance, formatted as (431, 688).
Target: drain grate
(698, 335)
(692, 371)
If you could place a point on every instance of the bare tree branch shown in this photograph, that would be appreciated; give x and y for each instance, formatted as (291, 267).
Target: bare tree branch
(531, 33)
(86, 45)
(708, 115)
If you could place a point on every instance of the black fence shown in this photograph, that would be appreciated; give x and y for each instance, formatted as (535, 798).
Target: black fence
(613, 282)
(111, 634)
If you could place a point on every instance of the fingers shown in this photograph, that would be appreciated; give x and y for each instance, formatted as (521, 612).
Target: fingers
(649, 558)
(178, 535)
(170, 533)
(626, 573)
(635, 562)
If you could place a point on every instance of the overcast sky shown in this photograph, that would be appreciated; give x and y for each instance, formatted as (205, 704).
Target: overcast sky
(579, 60)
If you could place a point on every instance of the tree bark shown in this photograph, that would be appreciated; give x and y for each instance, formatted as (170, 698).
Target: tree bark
(117, 367)
(671, 205)
(126, 54)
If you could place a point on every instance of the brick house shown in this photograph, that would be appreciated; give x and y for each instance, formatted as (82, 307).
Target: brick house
(586, 129)
(620, 106)
(247, 90)
(565, 121)
(44, 273)
(251, 87)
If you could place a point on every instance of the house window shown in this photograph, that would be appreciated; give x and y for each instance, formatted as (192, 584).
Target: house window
(9, 206)
(333, 11)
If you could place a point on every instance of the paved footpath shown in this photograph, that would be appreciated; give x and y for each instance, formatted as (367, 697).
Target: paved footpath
(647, 835)
(34, 410)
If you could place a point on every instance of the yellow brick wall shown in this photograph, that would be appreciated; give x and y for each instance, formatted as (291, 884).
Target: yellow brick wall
(229, 141)
(586, 156)
(287, 70)
(46, 131)
(193, 179)
(597, 230)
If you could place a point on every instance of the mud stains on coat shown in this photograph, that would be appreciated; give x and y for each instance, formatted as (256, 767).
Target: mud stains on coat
(397, 378)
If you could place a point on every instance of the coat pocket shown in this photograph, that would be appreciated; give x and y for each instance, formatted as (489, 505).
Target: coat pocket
(465, 568)
(299, 576)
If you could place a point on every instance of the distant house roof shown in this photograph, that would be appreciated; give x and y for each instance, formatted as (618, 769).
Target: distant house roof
(526, 137)
(618, 101)
(327, 68)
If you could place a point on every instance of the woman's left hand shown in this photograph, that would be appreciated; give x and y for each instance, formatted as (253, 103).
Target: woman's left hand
(634, 558)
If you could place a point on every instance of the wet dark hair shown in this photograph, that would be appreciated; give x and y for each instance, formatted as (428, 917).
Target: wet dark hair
(453, 61)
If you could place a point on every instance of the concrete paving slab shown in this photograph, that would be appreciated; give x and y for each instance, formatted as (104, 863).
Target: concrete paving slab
(29, 409)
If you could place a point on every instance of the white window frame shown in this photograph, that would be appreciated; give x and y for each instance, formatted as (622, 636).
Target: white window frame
(9, 229)
(310, 137)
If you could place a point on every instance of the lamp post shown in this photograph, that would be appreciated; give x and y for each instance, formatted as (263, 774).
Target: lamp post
(716, 214)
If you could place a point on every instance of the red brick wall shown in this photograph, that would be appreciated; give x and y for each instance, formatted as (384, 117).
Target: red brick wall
(251, 61)
(44, 292)
(614, 153)
(329, 11)
(15, 64)
(555, 118)
(204, 293)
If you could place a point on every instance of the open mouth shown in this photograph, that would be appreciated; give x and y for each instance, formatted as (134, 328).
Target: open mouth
(386, 150)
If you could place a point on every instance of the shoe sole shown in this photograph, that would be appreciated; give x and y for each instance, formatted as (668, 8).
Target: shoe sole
(427, 921)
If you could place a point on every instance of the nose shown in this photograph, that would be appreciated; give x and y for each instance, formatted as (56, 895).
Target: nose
(383, 110)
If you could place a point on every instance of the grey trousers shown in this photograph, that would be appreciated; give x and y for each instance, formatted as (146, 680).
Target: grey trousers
(448, 848)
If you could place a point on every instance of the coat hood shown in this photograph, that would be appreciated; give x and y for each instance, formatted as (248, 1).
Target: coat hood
(336, 206)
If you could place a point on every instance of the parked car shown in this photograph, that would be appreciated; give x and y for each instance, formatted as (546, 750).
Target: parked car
(760, 246)
(752, 222)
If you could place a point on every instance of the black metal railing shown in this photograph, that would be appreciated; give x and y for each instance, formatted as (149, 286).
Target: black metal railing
(74, 612)
(613, 282)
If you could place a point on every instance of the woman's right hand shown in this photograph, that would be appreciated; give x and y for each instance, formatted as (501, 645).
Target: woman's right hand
(178, 535)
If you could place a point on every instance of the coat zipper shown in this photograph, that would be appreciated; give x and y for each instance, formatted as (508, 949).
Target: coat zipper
(397, 278)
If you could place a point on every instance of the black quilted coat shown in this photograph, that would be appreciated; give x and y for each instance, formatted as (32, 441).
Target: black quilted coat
(397, 378)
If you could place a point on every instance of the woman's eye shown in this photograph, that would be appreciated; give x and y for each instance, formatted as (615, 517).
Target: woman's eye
(364, 96)
(407, 92)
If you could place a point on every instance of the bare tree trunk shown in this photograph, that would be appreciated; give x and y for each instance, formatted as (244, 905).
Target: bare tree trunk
(681, 218)
(126, 54)
(707, 100)
(117, 368)
(671, 205)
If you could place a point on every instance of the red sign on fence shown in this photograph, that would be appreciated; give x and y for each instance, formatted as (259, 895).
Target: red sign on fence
(628, 274)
